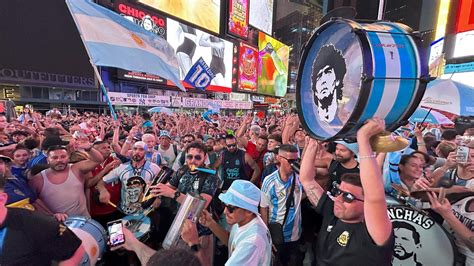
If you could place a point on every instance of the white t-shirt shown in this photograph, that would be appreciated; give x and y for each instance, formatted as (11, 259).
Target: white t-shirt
(460, 211)
(168, 156)
(250, 245)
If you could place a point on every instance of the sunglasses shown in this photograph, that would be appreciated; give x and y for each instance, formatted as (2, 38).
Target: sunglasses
(290, 161)
(231, 145)
(187, 141)
(346, 196)
(231, 208)
(190, 157)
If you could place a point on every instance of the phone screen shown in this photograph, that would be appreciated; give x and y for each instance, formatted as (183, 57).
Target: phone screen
(116, 236)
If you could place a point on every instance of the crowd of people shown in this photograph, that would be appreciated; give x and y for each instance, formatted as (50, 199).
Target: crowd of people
(276, 197)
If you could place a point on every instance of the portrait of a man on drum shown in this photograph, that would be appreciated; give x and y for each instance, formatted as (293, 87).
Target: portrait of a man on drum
(407, 241)
(327, 77)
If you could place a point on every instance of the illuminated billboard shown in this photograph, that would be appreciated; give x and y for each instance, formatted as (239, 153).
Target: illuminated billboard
(465, 19)
(261, 15)
(204, 13)
(149, 21)
(190, 44)
(273, 66)
(248, 62)
(463, 44)
(238, 24)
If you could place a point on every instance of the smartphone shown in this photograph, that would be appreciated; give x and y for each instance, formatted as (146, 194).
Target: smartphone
(462, 154)
(116, 236)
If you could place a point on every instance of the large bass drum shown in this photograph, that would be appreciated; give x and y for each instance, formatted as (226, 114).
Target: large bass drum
(93, 236)
(418, 238)
(351, 72)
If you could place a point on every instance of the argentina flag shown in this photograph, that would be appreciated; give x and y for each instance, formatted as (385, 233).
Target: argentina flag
(113, 41)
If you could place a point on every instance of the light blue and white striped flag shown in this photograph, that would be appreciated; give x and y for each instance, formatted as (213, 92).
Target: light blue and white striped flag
(114, 41)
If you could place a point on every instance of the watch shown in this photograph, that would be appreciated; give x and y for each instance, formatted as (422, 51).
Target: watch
(195, 247)
(176, 195)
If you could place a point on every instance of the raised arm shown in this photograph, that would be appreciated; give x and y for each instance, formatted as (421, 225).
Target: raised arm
(95, 158)
(375, 207)
(240, 134)
(308, 173)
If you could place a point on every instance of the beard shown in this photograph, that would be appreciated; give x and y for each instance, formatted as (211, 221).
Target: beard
(59, 167)
(400, 253)
(325, 102)
(342, 159)
(137, 158)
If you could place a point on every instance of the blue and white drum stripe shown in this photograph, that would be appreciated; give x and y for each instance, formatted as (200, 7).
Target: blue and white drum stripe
(395, 56)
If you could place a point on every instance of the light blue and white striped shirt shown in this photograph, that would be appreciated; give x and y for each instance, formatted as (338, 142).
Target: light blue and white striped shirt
(274, 195)
(250, 244)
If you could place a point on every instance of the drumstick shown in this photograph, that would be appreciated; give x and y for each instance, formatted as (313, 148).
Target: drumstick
(442, 194)
(111, 204)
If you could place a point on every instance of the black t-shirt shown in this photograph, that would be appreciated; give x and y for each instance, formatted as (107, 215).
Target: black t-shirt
(233, 167)
(336, 170)
(342, 243)
(35, 239)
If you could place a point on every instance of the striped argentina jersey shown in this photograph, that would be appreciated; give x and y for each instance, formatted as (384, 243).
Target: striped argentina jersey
(274, 195)
(132, 185)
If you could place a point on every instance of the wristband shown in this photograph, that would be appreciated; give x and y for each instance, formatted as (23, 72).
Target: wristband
(373, 155)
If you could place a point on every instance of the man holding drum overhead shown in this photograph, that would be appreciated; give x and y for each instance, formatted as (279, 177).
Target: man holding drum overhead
(356, 229)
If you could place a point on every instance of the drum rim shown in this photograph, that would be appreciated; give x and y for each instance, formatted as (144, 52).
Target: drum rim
(353, 123)
(448, 235)
(365, 86)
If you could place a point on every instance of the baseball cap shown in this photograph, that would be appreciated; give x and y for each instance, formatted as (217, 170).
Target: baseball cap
(164, 133)
(242, 194)
(5, 158)
(353, 147)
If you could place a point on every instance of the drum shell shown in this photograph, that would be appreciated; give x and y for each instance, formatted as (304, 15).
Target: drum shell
(93, 236)
(435, 245)
(141, 231)
(371, 86)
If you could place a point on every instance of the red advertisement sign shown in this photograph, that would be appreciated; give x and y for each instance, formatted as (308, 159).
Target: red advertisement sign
(239, 18)
(248, 65)
(465, 21)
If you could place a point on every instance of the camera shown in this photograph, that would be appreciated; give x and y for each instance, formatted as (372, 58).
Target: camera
(462, 154)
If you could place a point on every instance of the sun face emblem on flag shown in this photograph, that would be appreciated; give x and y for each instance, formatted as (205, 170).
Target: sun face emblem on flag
(138, 40)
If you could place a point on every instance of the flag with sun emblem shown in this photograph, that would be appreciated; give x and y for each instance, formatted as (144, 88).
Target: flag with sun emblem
(114, 41)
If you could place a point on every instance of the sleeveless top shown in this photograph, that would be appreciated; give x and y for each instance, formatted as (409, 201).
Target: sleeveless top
(67, 197)
(233, 167)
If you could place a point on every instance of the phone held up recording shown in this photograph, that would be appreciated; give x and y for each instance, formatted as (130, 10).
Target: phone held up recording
(116, 236)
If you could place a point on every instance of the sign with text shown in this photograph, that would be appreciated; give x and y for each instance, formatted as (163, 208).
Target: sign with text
(200, 75)
(120, 98)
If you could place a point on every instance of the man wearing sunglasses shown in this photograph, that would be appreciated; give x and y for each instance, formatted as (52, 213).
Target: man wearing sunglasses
(233, 161)
(181, 158)
(281, 203)
(185, 181)
(355, 229)
(249, 242)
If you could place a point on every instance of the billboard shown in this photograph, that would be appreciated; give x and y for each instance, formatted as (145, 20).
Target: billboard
(190, 44)
(150, 21)
(463, 44)
(465, 19)
(273, 66)
(204, 13)
(261, 15)
(238, 24)
(248, 62)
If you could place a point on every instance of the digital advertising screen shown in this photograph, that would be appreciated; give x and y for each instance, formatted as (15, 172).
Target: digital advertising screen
(204, 13)
(190, 44)
(238, 24)
(273, 66)
(248, 65)
(261, 15)
(148, 20)
(465, 18)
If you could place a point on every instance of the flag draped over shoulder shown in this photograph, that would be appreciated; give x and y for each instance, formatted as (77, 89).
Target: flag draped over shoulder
(114, 41)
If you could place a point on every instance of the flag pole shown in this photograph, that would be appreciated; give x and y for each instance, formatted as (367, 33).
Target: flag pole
(96, 71)
(103, 89)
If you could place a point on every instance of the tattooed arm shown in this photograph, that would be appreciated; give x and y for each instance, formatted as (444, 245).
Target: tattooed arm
(308, 173)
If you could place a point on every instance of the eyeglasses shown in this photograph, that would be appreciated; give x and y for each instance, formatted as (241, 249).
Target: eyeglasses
(187, 141)
(232, 145)
(290, 161)
(231, 208)
(190, 157)
(346, 196)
